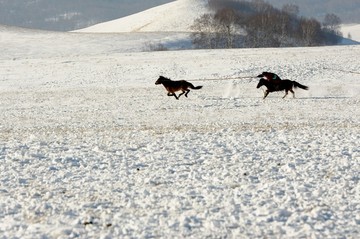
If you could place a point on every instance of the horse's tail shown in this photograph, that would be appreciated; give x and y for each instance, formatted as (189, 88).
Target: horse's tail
(191, 86)
(304, 87)
(197, 87)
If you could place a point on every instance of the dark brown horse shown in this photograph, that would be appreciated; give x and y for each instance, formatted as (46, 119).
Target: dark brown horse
(174, 86)
(286, 85)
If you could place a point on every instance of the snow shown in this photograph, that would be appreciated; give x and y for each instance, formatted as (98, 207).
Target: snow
(90, 147)
(177, 16)
(353, 30)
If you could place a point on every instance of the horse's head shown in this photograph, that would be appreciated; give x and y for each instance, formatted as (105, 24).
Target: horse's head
(262, 82)
(160, 80)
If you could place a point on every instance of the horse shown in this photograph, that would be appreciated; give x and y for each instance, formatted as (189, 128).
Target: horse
(174, 86)
(286, 85)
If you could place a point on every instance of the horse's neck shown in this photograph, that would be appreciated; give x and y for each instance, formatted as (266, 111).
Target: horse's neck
(269, 85)
(167, 82)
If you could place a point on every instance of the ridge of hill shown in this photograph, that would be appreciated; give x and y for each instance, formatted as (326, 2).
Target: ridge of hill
(175, 16)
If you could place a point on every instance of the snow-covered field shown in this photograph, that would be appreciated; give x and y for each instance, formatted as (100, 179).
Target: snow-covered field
(90, 147)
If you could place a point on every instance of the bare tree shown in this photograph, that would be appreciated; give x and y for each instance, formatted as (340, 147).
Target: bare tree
(331, 28)
(262, 24)
(291, 9)
(332, 22)
(311, 31)
(205, 28)
(260, 5)
(227, 25)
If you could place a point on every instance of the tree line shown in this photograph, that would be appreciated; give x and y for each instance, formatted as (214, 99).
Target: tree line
(256, 23)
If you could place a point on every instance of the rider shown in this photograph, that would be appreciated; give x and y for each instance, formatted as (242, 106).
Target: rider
(271, 77)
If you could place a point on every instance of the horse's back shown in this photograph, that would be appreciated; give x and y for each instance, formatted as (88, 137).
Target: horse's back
(182, 84)
(173, 86)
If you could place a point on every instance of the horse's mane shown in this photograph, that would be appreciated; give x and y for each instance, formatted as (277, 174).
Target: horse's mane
(165, 78)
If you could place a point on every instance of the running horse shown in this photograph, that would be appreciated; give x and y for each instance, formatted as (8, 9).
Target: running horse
(280, 85)
(174, 86)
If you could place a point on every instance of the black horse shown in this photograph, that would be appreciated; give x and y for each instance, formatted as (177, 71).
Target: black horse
(286, 85)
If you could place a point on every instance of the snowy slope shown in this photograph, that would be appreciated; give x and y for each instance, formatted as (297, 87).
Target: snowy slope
(176, 16)
(88, 44)
(90, 147)
(353, 30)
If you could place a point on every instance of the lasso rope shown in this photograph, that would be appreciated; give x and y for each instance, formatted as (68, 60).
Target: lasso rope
(226, 78)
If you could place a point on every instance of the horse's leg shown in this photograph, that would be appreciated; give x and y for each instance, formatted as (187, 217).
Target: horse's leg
(187, 92)
(266, 94)
(293, 93)
(286, 93)
(173, 94)
(182, 94)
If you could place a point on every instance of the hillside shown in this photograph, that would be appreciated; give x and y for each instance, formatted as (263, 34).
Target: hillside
(176, 16)
(65, 15)
(352, 30)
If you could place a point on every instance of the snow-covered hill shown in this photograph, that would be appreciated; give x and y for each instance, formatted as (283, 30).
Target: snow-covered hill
(176, 16)
(352, 30)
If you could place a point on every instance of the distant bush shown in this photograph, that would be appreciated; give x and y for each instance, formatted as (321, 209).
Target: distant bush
(258, 24)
